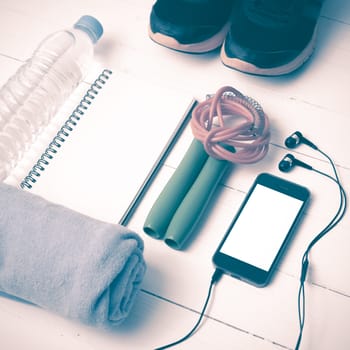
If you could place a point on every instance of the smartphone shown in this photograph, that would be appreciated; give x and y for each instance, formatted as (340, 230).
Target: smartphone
(258, 235)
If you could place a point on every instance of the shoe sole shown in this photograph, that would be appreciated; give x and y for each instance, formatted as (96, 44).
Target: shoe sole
(250, 68)
(201, 47)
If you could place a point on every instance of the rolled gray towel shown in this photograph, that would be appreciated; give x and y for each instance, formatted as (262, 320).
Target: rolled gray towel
(66, 262)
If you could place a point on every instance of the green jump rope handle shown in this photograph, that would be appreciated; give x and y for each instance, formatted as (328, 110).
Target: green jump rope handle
(175, 190)
(193, 205)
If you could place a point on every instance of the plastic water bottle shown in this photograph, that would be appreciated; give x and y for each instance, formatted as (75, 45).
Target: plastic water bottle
(32, 96)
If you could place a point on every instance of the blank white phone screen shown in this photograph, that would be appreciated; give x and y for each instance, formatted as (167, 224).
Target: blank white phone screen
(262, 226)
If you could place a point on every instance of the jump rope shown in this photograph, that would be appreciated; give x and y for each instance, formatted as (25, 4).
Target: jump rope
(228, 127)
(248, 143)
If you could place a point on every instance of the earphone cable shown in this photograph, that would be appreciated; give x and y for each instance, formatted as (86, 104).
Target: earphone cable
(215, 278)
(305, 259)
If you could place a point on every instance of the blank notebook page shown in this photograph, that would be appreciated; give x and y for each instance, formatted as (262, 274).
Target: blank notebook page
(104, 161)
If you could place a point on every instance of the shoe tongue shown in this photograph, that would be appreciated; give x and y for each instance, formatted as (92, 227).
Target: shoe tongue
(194, 12)
(270, 13)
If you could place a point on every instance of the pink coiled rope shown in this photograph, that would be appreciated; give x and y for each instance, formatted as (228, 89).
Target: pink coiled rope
(249, 138)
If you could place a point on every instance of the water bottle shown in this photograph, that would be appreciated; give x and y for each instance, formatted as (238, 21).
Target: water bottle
(32, 96)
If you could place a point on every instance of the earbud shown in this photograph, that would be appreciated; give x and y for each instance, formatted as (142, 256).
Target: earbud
(289, 161)
(297, 138)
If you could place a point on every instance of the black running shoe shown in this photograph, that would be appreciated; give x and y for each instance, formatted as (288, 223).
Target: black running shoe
(190, 25)
(271, 37)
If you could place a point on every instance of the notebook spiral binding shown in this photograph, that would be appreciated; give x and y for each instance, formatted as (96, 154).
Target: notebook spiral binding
(65, 130)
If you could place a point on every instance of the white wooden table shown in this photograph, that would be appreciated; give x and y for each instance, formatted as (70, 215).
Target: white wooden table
(314, 100)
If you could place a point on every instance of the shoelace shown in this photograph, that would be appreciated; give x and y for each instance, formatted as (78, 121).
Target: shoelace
(249, 138)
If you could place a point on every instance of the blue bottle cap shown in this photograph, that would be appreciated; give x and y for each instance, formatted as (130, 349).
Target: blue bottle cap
(91, 26)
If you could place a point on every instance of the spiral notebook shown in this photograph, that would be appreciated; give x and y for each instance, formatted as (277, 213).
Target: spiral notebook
(108, 150)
